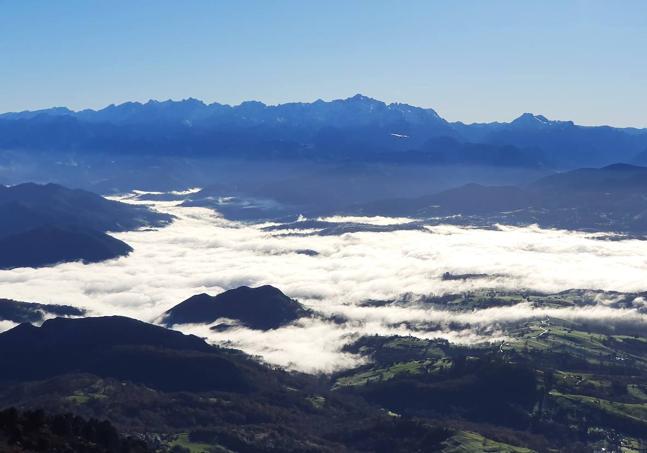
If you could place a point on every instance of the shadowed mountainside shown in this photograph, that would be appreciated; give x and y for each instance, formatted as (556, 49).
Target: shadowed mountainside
(48, 224)
(124, 348)
(51, 245)
(35, 431)
(19, 312)
(29, 206)
(264, 308)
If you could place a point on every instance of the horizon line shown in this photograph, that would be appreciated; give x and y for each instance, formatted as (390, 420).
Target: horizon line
(319, 99)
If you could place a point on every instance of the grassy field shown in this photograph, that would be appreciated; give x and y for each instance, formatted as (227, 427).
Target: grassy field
(399, 369)
(184, 442)
(632, 411)
(97, 391)
(470, 442)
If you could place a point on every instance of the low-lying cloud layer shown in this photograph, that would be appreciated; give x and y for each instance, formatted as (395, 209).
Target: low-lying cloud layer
(202, 252)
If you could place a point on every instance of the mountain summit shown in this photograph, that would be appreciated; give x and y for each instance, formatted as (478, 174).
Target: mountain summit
(263, 308)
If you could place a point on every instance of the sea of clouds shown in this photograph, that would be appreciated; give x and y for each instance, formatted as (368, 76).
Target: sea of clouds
(203, 252)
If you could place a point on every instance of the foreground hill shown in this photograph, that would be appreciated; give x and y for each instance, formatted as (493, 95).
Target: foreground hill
(122, 348)
(35, 431)
(264, 308)
(553, 384)
(172, 390)
(550, 384)
(48, 224)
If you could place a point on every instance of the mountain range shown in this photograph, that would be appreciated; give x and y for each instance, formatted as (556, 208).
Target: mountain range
(358, 128)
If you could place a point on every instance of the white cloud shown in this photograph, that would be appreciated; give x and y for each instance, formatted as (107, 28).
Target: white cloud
(368, 220)
(6, 325)
(202, 252)
(315, 345)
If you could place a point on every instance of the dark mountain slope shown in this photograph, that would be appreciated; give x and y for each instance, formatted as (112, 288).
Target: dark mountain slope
(19, 312)
(126, 349)
(262, 308)
(28, 206)
(45, 246)
(42, 225)
(301, 417)
(35, 431)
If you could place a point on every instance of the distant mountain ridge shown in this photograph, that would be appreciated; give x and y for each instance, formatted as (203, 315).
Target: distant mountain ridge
(610, 199)
(356, 128)
(353, 111)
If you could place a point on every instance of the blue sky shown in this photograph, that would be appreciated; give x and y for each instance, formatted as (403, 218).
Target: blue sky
(470, 60)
